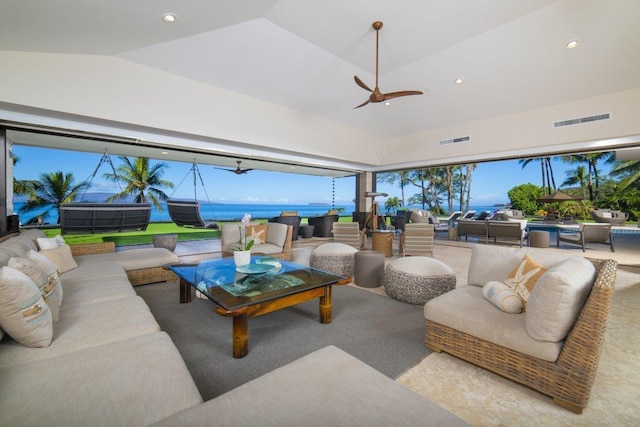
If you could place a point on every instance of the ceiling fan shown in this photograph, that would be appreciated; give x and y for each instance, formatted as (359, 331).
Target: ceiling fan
(376, 95)
(238, 170)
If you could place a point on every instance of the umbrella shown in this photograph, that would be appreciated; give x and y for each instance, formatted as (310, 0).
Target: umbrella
(557, 196)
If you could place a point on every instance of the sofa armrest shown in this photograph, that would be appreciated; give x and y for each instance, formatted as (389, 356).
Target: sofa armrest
(92, 248)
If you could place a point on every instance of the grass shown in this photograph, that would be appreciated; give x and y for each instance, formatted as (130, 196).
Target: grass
(138, 237)
(145, 237)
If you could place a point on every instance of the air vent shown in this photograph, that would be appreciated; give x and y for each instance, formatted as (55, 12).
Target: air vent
(454, 140)
(581, 120)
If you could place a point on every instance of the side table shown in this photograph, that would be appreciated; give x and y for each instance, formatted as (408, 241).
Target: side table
(306, 231)
(382, 241)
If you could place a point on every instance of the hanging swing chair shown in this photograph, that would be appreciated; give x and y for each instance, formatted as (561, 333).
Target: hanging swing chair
(186, 213)
(91, 218)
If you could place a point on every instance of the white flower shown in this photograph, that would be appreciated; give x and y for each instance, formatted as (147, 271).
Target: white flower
(246, 219)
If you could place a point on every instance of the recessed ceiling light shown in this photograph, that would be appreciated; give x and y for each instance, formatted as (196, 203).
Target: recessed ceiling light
(459, 80)
(164, 152)
(387, 103)
(169, 17)
(573, 43)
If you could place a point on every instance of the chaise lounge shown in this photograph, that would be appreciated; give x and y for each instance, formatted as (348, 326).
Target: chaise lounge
(609, 216)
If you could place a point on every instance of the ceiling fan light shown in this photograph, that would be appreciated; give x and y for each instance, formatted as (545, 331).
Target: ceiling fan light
(459, 80)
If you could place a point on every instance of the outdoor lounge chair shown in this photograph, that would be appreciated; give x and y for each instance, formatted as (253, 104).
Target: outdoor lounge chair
(469, 214)
(589, 233)
(472, 227)
(608, 216)
(104, 217)
(510, 230)
(186, 213)
(292, 220)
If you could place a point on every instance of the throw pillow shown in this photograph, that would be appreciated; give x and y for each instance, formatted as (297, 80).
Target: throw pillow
(558, 298)
(49, 268)
(606, 215)
(523, 278)
(258, 233)
(503, 297)
(45, 283)
(332, 212)
(61, 257)
(289, 213)
(23, 313)
(50, 243)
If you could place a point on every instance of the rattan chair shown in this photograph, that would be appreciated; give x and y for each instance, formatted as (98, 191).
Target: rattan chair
(570, 378)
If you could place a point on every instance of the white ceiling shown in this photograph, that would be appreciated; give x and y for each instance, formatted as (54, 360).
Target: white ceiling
(303, 54)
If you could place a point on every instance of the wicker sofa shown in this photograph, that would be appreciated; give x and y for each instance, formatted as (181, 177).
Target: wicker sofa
(609, 216)
(482, 334)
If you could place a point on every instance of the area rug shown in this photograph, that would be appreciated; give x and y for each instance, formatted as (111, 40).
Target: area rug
(382, 332)
(484, 399)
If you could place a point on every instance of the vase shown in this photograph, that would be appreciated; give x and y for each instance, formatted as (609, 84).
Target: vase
(242, 258)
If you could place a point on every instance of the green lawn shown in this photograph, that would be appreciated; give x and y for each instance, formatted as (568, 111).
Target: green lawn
(138, 237)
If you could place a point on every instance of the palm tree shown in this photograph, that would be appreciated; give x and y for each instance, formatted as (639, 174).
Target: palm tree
(593, 175)
(392, 204)
(629, 171)
(577, 176)
(546, 170)
(52, 190)
(141, 180)
(23, 187)
(403, 178)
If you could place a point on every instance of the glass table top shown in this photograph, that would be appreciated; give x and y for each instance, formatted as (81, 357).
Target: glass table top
(258, 282)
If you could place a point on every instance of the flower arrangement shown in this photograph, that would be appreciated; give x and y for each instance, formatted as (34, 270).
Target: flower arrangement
(244, 245)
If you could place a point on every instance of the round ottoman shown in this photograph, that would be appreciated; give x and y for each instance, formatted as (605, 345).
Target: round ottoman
(417, 279)
(539, 239)
(336, 258)
(368, 269)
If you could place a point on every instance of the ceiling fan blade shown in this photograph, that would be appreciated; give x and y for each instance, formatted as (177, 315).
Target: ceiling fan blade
(361, 84)
(401, 93)
(363, 104)
(243, 171)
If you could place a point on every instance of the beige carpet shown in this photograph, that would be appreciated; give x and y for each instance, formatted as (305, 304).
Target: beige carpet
(485, 399)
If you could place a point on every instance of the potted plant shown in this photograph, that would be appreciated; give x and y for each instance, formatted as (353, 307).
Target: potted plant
(242, 252)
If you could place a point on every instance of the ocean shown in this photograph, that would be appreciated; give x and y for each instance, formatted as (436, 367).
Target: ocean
(231, 211)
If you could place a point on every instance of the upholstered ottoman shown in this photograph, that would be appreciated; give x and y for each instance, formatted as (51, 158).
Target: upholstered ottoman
(334, 257)
(368, 268)
(417, 279)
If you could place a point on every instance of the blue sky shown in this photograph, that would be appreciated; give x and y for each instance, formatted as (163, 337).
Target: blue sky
(491, 181)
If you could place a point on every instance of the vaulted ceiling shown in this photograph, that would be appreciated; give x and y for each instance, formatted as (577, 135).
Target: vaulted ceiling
(301, 56)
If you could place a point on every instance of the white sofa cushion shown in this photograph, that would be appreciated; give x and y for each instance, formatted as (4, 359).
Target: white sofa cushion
(465, 309)
(325, 388)
(277, 234)
(133, 259)
(87, 326)
(557, 299)
(131, 382)
(23, 313)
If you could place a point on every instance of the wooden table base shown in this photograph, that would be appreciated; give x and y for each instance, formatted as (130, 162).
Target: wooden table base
(242, 315)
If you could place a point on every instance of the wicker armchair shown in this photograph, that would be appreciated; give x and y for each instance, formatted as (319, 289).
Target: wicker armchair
(322, 225)
(570, 378)
(609, 217)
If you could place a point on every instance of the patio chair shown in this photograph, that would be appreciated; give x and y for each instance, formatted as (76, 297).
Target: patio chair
(292, 220)
(483, 215)
(322, 224)
(588, 233)
(417, 240)
(469, 214)
(350, 234)
(453, 218)
(608, 216)
(186, 213)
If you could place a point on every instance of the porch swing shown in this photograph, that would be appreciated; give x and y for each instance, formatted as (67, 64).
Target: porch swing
(186, 213)
(91, 218)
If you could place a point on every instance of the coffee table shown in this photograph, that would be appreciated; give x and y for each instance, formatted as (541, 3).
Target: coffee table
(252, 293)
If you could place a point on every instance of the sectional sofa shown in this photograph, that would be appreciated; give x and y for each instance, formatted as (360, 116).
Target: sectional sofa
(106, 362)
